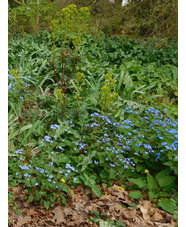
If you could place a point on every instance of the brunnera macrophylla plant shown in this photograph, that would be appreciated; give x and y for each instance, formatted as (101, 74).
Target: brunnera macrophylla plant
(68, 28)
(139, 148)
(108, 94)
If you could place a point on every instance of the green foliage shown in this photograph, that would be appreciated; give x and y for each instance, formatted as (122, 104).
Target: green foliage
(12, 205)
(31, 17)
(108, 94)
(69, 22)
(151, 18)
(98, 217)
(168, 204)
(67, 29)
(56, 143)
(135, 195)
(151, 182)
(90, 182)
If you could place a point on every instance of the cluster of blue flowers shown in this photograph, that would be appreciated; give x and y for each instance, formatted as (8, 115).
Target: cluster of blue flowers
(24, 167)
(135, 135)
(47, 139)
(68, 166)
(69, 122)
(120, 143)
(54, 127)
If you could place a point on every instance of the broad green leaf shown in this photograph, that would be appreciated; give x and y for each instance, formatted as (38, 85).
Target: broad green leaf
(152, 195)
(164, 194)
(140, 182)
(119, 223)
(151, 182)
(135, 195)
(165, 172)
(92, 184)
(168, 205)
(30, 198)
(166, 180)
(87, 160)
(65, 188)
(112, 173)
(139, 167)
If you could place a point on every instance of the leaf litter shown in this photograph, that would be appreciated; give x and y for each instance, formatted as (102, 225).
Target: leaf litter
(116, 203)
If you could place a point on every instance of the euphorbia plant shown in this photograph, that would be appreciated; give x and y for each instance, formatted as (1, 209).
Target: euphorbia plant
(67, 31)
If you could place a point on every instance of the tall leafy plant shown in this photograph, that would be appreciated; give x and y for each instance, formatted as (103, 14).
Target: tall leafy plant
(67, 31)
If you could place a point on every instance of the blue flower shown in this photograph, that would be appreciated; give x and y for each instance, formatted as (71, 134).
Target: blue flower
(112, 165)
(22, 98)
(55, 126)
(147, 146)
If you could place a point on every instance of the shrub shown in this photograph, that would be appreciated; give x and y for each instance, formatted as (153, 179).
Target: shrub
(31, 17)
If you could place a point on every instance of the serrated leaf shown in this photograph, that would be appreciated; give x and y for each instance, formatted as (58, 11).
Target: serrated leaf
(135, 195)
(141, 183)
(167, 204)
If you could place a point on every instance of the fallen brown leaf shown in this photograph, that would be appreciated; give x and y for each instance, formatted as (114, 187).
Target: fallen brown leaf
(144, 212)
(157, 217)
(17, 190)
(116, 207)
(59, 215)
(129, 213)
(23, 220)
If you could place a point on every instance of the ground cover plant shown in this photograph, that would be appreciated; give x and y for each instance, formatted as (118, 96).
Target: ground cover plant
(92, 110)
